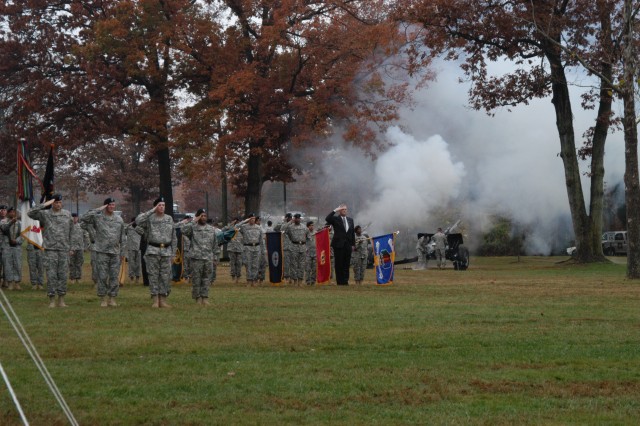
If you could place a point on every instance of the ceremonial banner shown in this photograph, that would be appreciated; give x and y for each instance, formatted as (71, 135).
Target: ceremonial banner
(48, 180)
(30, 228)
(275, 256)
(323, 256)
(383, 257)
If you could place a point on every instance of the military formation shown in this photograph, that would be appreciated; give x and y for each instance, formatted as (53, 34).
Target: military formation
(146, 246)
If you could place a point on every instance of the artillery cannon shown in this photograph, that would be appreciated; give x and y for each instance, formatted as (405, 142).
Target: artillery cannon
(456, 252)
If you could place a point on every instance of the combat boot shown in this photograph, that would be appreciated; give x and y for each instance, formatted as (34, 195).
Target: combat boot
(61, 303)
(103, 302)
(199, 300)
(112, 301)
(16, 286)
(156, 301)
(52, 301)
(10, 285)
(163, 302)
(204, 301)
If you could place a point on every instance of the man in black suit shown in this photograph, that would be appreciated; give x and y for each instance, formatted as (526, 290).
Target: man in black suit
(344, 238)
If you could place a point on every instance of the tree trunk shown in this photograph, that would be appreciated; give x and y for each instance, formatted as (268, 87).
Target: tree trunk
(601, 130)
(631, 183)
(254, 183)
(585, 251)
(160, 142)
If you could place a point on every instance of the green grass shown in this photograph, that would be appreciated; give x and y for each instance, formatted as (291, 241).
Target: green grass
(529, 342)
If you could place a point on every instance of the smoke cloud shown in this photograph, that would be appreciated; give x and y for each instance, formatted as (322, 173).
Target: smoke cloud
(449, 155)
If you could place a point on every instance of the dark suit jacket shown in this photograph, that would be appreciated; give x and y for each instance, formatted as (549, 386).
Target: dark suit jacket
(341, 238)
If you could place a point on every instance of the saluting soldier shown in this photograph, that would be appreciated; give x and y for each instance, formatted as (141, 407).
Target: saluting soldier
(286, 247)
(235, 248)
(297, 234)
(359, 257)
(311, 254)
(216, 254)
(12, 250)
(161, 240)
(262, 264)
(133, 252)
(253, 238)
(76, 254)
(204, 244)
(110, 247)
(57, 226)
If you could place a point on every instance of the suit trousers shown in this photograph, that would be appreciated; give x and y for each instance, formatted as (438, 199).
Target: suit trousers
(342, 258)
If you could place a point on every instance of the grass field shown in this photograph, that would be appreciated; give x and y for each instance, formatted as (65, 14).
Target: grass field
(537, 341)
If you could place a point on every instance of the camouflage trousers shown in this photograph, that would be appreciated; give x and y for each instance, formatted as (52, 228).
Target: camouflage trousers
(235, 262)
(359, 266)
(200, 277)
(159, 272)
(186, 267)
(76, 259)
(12, 263)
(36, 266)
(252, 262)
(286, 263)
(311, 270)
(94, 268)
(296, 264)
(440, 255)
(262, 266)
(214, 271)
(135, 267)
(108, 267)
(56, 263)
(1, 267)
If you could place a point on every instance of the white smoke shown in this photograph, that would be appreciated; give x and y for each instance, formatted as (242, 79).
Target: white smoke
(411, 179)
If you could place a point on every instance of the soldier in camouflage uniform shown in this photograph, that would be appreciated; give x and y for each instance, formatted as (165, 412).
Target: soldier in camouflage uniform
(440, 240)
(76, 254)
(12, 250)
(359, 257)
(253, 239)
(297, 234)
(216, 255)
(262, 265)
(204, 244)
(186, 259)
(57, 226)
(235, 248)
(161, 240)
(3, 219)
(311, 255)
(286, 248)
(133, 252)
(36, 266)
(110, 247)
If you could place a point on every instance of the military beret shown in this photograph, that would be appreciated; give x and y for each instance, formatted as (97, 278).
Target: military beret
(287, 215)
(74, 214)
(310, 223)
(57, 197)
(3, 207)
(200, 211)
(250, 215)
(109, 201)
(10, 209)
(297, 215)
(158, 200)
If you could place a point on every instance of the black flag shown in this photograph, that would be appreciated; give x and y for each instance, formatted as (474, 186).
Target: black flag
(47, 181)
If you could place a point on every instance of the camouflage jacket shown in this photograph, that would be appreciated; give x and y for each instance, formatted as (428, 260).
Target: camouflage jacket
(159, 232)
(77, 237)
(110, 236)
(56, 227)
(236, 244)
(361, 246)
(133, 238)
(297, 235)
(11, 232)
(252, 237)
(204, 242)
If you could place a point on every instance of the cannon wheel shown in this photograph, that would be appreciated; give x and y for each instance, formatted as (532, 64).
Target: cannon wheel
(463, 259)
